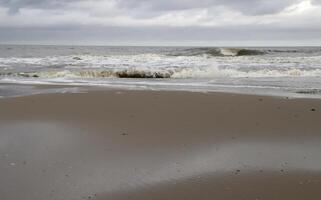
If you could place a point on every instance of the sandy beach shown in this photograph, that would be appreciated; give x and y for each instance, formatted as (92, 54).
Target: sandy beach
(159, 145)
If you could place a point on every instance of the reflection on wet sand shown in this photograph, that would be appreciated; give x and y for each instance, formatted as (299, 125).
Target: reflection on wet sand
(51, 152)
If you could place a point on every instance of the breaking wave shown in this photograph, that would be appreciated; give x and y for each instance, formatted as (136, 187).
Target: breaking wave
(219, 52)
(126, 73)
(178, 73)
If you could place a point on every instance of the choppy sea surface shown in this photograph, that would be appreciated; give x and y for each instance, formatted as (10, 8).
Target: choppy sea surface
(291, 71)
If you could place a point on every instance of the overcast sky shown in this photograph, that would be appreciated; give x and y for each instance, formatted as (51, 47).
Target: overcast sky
(165, 22)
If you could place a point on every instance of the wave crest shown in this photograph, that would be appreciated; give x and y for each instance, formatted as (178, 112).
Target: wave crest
(178, 73)
(125, 73)
(219, 52)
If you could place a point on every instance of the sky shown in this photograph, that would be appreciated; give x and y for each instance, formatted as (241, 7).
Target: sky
(161, 22)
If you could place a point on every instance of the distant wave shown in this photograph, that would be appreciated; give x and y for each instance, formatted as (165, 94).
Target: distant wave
(309, 91)
(218, 52)
(306, 51)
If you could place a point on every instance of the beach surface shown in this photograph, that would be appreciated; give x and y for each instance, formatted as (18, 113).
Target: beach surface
(159, 145)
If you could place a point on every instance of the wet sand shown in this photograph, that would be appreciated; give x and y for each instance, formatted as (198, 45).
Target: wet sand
(159, 145)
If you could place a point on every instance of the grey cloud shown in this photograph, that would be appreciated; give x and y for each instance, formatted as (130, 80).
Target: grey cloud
(248, 7)
(133, 22)
(15, 5)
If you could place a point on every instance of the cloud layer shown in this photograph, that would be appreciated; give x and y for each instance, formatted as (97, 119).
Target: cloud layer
(146, 16)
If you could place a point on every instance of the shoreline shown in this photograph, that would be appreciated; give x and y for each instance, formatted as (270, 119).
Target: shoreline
(37, 89)
(159, 145)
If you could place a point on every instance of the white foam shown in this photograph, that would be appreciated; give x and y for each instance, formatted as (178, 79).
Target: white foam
(176, 73)
(213, 72)
(229, 51)
(185, 72)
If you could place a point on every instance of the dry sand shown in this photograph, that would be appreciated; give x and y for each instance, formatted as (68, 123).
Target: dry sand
(159, 145)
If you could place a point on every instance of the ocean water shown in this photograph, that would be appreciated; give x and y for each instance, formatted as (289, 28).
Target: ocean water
(290, 71)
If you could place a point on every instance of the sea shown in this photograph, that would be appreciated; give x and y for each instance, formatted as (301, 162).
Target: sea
(277, 71)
